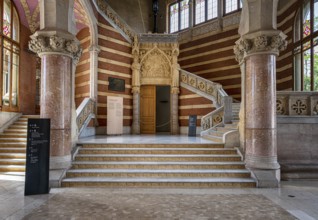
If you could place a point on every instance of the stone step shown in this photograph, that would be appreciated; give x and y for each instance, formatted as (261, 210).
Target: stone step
(23, 123)
(12, 145)
(13, 150)
(12, 168)
(13, 140)
(216, 133)
(15, 131)
(158, 182)
(12, 162)
(158, 157)
(149, 151)
(213, 138)
(12, 156)
(181, 145)
(30, 116)
(157, 173)
(156, 165)
(231, 126)
(18, 127)
(13, 135)
(223, 129)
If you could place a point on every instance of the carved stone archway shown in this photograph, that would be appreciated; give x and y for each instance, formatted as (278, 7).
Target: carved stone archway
(155, 63)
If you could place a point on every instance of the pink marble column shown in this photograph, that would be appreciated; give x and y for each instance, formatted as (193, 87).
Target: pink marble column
(56, 102)
(260, 107)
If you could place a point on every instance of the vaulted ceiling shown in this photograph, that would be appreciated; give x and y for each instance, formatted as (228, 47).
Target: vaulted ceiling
(29, 12)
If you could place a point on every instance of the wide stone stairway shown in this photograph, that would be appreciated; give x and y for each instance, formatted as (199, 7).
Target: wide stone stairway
(13, 146)
(157, 165)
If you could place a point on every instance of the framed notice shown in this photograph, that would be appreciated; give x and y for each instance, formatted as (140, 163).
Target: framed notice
(115, 114)
(116, 84)
(37, 157)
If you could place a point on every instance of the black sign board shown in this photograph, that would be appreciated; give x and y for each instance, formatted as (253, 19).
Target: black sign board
(116, 84)
(37, 157)
(192, 125)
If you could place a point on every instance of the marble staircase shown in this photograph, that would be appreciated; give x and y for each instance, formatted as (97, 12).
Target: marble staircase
(13, 146)
(217, 134)
(157, 165)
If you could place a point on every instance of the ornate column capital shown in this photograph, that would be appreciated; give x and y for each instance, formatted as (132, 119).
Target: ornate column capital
(55, 44)
(94, 49)
(175, 90)
(263, 42)
(135, 90)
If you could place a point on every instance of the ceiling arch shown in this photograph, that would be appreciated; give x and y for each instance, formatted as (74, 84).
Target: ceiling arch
(29, 12)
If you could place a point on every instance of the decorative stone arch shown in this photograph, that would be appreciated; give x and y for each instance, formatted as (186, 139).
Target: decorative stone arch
(155, 63)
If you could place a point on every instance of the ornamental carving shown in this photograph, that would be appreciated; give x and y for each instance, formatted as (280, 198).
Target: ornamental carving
(115, 19)
(315, 109)
(217, 119)
(155, 65)
(280, 107)
(55, 44)
(262, 43)
(299, 107)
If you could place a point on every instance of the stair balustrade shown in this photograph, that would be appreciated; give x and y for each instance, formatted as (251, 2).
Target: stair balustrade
(85, 112)
(212, 91)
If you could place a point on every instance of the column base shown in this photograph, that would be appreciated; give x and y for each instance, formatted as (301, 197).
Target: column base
(58, 167)
(266, 178)
(60, 162)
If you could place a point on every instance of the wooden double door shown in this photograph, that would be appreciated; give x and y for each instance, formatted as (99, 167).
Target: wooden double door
(154, 109)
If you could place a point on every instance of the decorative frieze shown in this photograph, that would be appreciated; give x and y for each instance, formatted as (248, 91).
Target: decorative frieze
(55, 44)
(297, 103)
(261, 43)
(158, 38)
(112, 17)
(231, 20)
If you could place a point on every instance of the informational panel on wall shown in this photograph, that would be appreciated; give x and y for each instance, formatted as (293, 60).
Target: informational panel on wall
(37, 157)
(192, 125)
(115, 115)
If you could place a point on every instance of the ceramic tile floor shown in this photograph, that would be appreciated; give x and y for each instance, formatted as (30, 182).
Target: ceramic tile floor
(294, 200)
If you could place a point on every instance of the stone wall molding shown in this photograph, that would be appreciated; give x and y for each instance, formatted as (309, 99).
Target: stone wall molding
(263, 42)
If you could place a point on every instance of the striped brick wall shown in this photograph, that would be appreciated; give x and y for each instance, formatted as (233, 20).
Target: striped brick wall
(192, 104)
(285, 23)
(212, 57)
(82, 73)
(114, 61)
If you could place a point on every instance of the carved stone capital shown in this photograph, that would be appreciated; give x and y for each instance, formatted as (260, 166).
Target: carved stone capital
(175, 90)
(135, 90)
(268, 43)
(55, 44)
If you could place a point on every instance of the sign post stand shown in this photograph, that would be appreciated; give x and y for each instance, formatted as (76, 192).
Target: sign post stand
(37, 157)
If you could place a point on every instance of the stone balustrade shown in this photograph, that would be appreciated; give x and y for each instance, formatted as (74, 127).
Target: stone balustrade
(290, 103)
(213, 91)
(84, 113)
